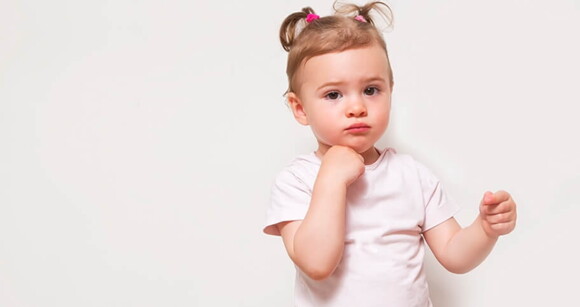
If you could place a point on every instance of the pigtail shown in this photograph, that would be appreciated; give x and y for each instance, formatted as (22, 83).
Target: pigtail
(291, 25)
(381, 9)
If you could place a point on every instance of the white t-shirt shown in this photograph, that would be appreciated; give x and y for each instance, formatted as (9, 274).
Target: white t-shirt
(387, 209)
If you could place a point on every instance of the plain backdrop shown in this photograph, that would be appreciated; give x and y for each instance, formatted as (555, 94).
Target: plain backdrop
(139, 140)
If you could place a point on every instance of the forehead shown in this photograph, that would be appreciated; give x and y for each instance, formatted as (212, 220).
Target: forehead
(349, 65)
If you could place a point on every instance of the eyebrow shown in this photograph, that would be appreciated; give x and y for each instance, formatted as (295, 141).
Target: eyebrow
(335, 83)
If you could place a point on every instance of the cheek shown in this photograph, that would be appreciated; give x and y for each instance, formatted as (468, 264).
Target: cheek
(382, 113)
(325, 125)
(386, 117)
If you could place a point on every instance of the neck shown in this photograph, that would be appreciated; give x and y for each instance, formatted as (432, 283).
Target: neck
(371, 155)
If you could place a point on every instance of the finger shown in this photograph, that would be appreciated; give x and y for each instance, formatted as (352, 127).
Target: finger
(501, 196)
(503, 228)
(495, 198)
(506, 206)
(356, 153)
(500, 218)
(487, 198)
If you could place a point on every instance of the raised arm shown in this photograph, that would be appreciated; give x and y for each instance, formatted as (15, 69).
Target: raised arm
(316, 243)
(461, 250)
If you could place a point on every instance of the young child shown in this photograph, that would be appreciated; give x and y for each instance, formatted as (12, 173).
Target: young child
(353, 217)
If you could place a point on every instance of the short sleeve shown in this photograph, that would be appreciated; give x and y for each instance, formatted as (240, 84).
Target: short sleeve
(438, 207)
(290, 198)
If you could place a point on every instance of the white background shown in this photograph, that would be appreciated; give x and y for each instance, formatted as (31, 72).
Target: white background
(139, 140)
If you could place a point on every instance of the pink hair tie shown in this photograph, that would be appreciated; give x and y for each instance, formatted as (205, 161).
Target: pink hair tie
(311, 17)
(360, 18)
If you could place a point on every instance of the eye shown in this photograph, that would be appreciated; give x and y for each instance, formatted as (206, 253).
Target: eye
(371, 90)
(333, 95)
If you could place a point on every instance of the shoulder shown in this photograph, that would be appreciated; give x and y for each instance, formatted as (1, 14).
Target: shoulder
(291, 192)
(301, 169)
(407, 164)
(401, 160)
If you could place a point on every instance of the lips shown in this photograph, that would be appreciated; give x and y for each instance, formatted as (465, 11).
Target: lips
(358, 127)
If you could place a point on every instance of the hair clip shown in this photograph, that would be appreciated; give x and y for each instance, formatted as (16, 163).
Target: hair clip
(360, 18)
(311, 17)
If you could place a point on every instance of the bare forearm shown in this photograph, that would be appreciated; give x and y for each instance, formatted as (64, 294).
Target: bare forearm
(467, 248)
(319, 242)
(316, 243)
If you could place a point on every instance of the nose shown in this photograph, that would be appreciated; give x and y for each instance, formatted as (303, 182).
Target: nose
(356, 108)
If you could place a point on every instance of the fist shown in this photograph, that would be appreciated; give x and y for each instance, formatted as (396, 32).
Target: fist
(498, 213)
(342, 163)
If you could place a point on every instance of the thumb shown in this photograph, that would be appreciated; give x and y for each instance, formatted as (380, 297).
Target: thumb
(487, 198)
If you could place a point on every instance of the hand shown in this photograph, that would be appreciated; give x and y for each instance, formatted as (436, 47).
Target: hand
(498, 213)
(342, 163)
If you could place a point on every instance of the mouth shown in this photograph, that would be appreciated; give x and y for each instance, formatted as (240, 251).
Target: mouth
(358, 128)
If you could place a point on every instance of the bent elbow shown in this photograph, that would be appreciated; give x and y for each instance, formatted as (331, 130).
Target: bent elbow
(458, 269)
(318, 266)
(458, 272)
(319, 273)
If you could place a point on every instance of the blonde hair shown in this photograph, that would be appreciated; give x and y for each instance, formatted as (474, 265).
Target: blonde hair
(333, 33)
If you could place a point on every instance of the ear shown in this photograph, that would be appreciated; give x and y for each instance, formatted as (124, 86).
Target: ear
(297, 108)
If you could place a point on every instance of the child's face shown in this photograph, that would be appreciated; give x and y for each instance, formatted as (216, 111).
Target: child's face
(339, 90)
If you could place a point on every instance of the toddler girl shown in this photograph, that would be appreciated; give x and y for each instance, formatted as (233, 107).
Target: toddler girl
(353, 217)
